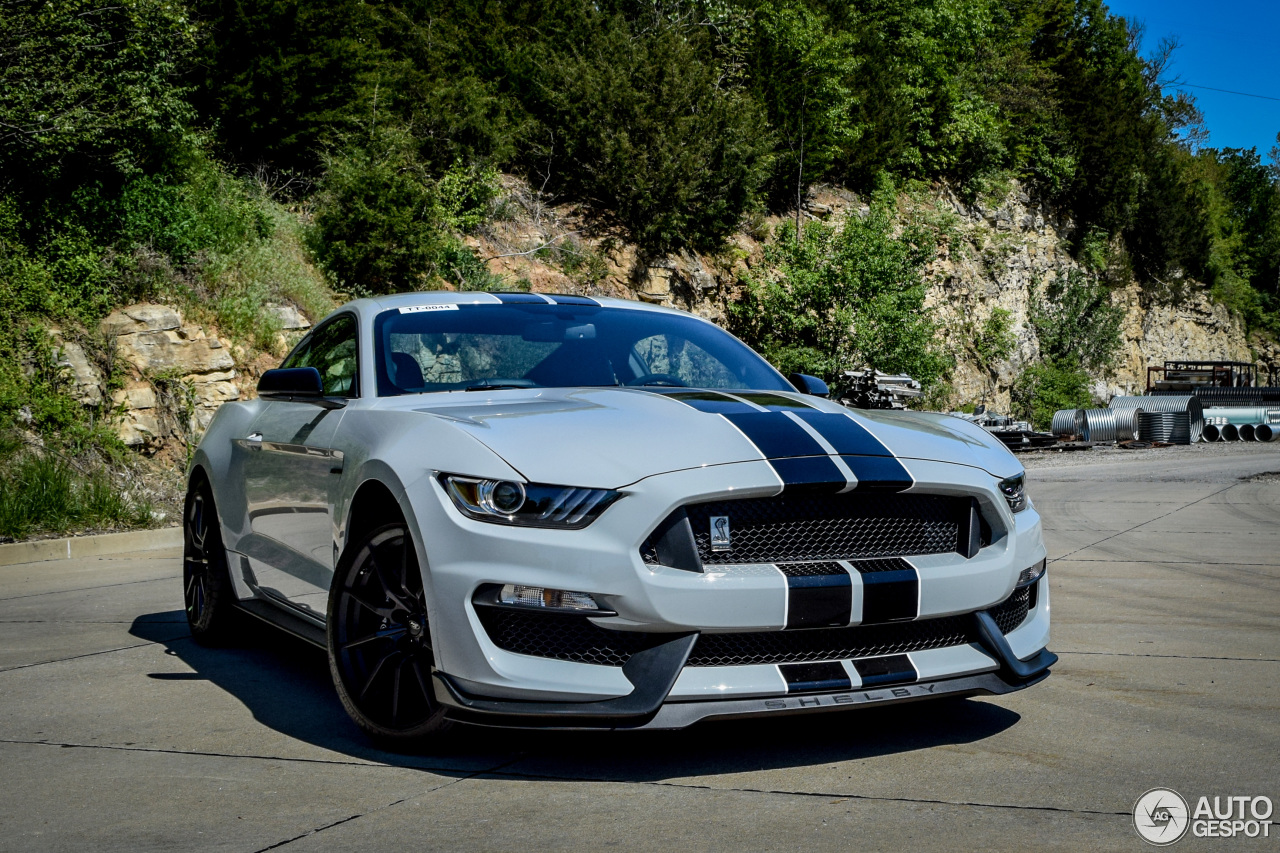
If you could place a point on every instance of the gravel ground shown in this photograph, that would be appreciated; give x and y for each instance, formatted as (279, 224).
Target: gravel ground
(1042, 459)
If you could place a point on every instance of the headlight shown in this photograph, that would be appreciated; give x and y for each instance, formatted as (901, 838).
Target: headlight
(1015, 492)
(527, 504)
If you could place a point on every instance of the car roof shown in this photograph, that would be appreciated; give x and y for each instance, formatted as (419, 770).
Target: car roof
(371, 306)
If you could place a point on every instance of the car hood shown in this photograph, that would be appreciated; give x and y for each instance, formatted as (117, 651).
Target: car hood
(613, 437)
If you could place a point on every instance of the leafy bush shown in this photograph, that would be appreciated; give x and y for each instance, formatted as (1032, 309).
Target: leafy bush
(1076, 322)
(384, 224)
(1078, 326)
(1043, 389)
(844, 296)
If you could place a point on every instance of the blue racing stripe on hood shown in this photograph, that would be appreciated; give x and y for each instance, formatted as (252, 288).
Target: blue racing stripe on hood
(844, 433)
(879, 472)
(775, 434)
(710, 402)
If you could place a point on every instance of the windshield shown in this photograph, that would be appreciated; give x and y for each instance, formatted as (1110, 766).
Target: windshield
(449, 347)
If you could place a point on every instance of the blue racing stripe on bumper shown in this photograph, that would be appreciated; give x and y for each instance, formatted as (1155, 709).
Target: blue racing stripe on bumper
(815, 677)
(890, 590)
(879, 672)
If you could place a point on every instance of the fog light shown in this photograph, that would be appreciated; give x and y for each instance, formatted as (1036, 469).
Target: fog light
(1033, 574)
(550, 599)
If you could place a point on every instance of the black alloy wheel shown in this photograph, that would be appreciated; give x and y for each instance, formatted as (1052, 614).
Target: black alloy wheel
(380, 641)
(206, 586)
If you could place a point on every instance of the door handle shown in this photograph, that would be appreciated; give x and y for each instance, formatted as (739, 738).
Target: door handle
(250, 442)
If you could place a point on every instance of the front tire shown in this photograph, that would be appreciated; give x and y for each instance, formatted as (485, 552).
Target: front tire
(380, 651)
(206, 583)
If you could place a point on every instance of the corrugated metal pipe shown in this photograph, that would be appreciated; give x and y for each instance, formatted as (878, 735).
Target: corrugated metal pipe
(1126, 423)
(1171, 427)
(1099, 426)
(1067, 422)
(1186, 404)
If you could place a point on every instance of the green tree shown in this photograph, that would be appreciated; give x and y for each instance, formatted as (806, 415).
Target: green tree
(1078, 327)
(278, 76)
(802, 73)
(384, 223)
(841, 297)
(89, 88)
(630, 118)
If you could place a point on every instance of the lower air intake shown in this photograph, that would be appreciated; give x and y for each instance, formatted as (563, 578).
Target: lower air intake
(575, 638)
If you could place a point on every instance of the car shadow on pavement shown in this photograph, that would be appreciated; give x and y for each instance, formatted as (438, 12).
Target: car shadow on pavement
(285, 683)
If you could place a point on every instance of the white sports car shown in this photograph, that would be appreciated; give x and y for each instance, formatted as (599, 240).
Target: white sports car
(555, 511)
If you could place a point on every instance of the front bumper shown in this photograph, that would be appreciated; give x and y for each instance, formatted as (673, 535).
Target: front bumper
(484, 680)
(655, 671)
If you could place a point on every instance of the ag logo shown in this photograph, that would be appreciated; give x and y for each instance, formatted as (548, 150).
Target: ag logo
(1161, 816)
(720, 533)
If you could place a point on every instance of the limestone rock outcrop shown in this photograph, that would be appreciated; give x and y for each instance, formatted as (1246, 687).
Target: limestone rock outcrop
(175, 373)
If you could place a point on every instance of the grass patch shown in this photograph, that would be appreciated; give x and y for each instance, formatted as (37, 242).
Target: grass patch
(43, 494)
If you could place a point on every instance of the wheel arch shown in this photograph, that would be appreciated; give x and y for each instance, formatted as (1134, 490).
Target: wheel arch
(373, 504)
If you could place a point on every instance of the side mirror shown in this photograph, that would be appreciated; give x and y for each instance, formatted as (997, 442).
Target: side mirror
(296, 385)
(812, 385)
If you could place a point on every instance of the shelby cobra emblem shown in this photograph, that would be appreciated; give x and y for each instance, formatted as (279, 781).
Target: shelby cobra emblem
(719, 533)
(514, 509)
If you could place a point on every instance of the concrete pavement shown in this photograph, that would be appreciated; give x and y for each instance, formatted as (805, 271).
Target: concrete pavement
(118, 732)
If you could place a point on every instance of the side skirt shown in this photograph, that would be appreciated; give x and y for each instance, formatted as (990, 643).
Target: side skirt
(284, 620)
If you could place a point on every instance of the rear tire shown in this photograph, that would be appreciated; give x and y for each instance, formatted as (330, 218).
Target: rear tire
(380, 651)
(206, 584)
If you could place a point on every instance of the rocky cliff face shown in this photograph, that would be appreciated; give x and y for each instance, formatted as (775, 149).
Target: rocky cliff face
(990, 256)
(172, 375)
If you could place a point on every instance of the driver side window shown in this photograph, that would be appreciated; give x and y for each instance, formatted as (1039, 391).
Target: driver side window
(332, 350)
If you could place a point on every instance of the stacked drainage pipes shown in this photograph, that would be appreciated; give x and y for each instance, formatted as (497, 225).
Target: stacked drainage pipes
(1184, 425)
(1241, 423)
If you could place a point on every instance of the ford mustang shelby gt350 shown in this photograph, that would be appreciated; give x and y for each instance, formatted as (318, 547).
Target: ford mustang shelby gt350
(558, 511)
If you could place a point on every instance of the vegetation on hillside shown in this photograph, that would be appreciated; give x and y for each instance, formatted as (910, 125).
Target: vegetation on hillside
(842, 296)
(221, 155)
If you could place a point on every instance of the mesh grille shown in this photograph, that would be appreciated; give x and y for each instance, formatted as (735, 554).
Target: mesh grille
(1012, 612)
(830, 643)
(574, 638)
(795, 528)
(804, 570)
(871, 566)
(571, 638)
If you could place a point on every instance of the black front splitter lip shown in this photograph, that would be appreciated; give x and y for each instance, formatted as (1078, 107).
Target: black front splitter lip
(654, 671)
(679, 715)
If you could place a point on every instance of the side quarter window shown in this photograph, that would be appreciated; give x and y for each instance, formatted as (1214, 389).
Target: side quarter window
(332, 349)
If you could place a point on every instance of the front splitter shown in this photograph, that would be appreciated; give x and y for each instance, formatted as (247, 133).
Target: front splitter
(679, 715)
